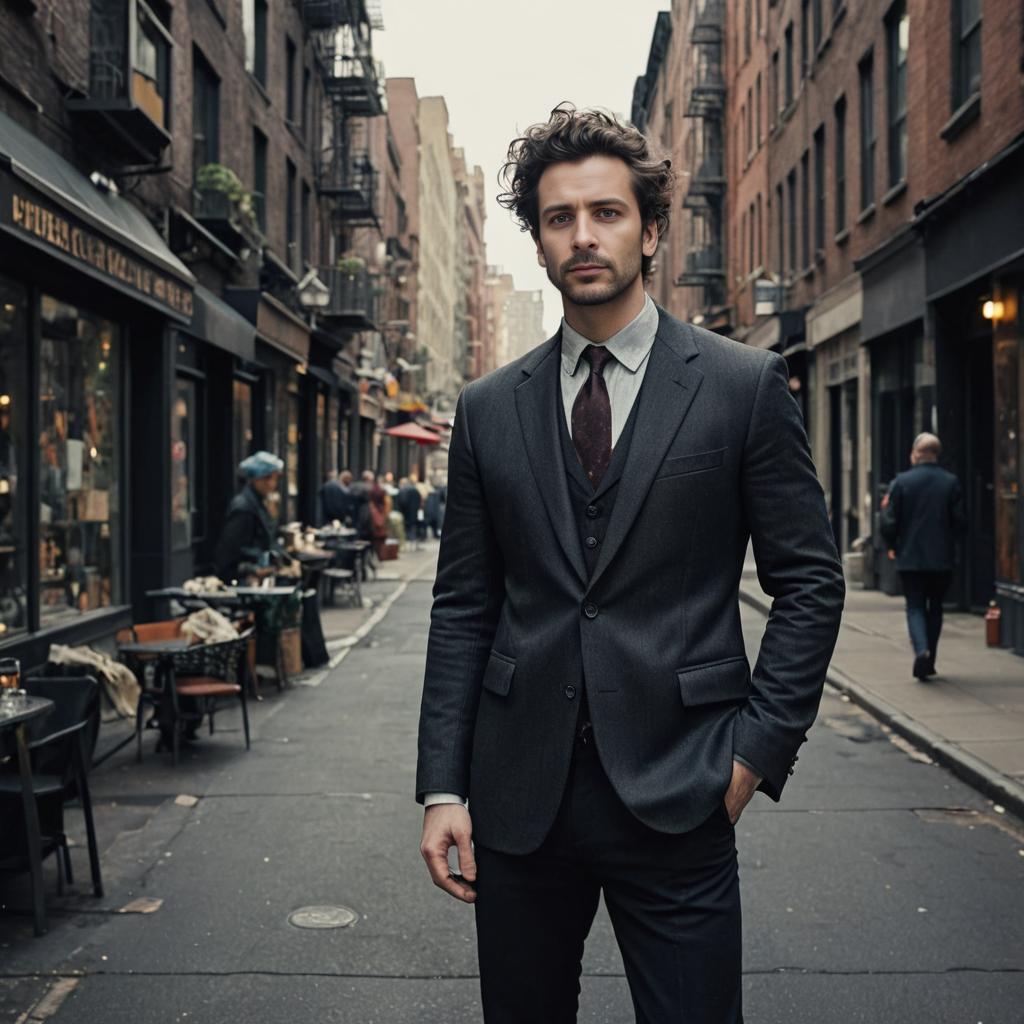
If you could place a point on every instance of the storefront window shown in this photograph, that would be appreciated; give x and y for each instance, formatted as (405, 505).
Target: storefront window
(292, 454)
(242, 436)
(79, 451)
(1008, 413)
(13, 511)
(184, 452)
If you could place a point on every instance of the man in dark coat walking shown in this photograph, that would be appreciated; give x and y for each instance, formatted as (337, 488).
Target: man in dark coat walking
(922, 517)
(586, 683)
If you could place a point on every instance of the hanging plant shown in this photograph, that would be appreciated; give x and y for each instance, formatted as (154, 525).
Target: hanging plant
(351, 265)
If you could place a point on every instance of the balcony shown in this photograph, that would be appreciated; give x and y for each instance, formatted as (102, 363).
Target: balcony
(708, 23)
(706, 182)
(702, 265)
(355, 81)
(353, 303)
(327, 14)
(707, 93)
(350, 180)
(228, 215)
(126, 114)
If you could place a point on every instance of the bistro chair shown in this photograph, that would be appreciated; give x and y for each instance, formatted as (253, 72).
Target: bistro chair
(143, 665)
(57, 748)
(205, 674)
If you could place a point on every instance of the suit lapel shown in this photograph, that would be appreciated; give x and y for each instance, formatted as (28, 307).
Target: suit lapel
(538, 408)
(670, 384)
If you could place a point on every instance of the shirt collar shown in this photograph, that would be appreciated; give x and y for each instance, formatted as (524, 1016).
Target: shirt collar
(630, 346)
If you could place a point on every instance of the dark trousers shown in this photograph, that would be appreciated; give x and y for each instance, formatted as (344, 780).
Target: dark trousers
(674, 903)
(924, 593)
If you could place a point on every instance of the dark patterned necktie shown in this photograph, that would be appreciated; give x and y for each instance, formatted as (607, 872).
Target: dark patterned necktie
(592, 417)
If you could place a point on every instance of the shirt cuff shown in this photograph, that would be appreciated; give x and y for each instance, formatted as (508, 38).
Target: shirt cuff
(430, 799)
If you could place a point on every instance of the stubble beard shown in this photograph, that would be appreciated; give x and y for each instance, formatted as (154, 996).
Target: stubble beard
(590, 295)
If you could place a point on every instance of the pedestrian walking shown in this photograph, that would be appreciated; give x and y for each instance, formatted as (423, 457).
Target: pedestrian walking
(435, 509)
(922, 518)
(586, 686)
(408, 503)
(333, 499)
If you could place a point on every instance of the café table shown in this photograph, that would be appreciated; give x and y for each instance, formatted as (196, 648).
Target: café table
(163, 652)
(15, 713)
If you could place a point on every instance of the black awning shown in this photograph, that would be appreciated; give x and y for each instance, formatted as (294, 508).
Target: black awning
(214, 321)
(322, 375)
(49, 204)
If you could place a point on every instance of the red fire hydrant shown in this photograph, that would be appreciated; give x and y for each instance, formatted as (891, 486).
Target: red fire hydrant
(993, 621)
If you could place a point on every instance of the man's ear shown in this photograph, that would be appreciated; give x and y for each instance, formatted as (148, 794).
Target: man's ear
(540, 251)
(650, 238)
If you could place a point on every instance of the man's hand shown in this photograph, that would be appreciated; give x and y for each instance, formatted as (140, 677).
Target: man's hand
(742, 787)
(445, 826)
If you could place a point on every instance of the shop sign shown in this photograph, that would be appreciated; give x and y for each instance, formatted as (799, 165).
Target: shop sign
(56, 231)
(767, 297)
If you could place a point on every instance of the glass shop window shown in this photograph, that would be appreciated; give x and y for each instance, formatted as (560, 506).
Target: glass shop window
(184, 464)
(79, 458)
(13, 449)
(242, 435)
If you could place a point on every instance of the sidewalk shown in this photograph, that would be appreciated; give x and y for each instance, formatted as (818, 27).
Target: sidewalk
(969, 717)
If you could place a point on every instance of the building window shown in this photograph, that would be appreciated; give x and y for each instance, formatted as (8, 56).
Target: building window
(306, 120)
(289, 86)
(867, 132)
(816, 21)
(205, 114)
(14, 403)
(967, 50)
(788, 69)
(819, 192)
(791, 201)
(781, 227)
(775, 98)
(291, 249)
(79, 462)
(759, 219)
(241, 408)
(757, 110)
(750, 123)
(151, 67)
(805, 33)
(840, 169)
(897, 32)
(751, 240)
(259, 178)
(306, 225)
(747, 26)
(805, 208)
(185, 473)
(254, 28)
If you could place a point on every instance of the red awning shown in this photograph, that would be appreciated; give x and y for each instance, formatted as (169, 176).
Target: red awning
(414, 432)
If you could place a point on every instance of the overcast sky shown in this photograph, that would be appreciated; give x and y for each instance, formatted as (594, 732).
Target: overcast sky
(502, 67)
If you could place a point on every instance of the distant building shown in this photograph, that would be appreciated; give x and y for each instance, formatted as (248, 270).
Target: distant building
(524, 318)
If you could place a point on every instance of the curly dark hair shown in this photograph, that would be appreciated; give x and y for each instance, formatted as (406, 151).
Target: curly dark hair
(570, 135)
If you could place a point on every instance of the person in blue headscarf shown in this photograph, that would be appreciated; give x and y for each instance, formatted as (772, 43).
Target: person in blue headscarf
(247, 545)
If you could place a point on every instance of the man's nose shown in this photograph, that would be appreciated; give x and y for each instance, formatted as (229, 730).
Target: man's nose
(583, 235)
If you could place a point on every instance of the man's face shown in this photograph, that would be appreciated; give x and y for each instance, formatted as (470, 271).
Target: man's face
(591, 237)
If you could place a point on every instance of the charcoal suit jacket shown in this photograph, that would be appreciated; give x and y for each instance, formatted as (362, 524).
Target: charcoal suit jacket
(719, 455)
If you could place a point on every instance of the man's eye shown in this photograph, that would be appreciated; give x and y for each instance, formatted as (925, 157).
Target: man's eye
(611, 213)
(559, 218)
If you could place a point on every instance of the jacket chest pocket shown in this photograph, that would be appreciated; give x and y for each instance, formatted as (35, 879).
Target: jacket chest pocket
(699, 462)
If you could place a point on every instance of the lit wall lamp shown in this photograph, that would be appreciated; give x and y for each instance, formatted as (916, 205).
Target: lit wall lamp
(313, 293)
(992, 309)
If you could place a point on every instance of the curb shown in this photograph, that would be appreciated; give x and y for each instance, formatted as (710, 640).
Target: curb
(972, 770)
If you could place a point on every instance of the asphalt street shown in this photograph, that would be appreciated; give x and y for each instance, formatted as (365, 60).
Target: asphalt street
(882, 889)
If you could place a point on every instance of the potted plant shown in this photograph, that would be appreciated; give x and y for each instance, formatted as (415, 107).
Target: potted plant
(220, 188)
(351, 265)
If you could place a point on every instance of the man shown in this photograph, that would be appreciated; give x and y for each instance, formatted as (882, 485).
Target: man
(408, 503)
(334, 499)
(247, 543)
(922, 515)
(586, 685)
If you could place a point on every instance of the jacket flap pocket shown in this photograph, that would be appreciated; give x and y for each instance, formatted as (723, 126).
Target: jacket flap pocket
(716, 681)
(692, 463)
(498, 674)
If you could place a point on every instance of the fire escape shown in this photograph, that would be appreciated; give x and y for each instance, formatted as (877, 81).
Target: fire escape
(705, 196)
(347, 177)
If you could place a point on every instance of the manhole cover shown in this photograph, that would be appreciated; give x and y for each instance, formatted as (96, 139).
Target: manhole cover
(323, 917)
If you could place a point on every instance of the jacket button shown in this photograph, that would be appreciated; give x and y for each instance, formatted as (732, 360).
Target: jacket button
(590, 610)
(593, 511)
(591, 542)
(570, 691)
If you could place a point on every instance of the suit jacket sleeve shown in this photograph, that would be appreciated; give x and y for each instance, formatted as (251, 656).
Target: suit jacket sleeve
(798, 566)
(889, 521)
(468, 594)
